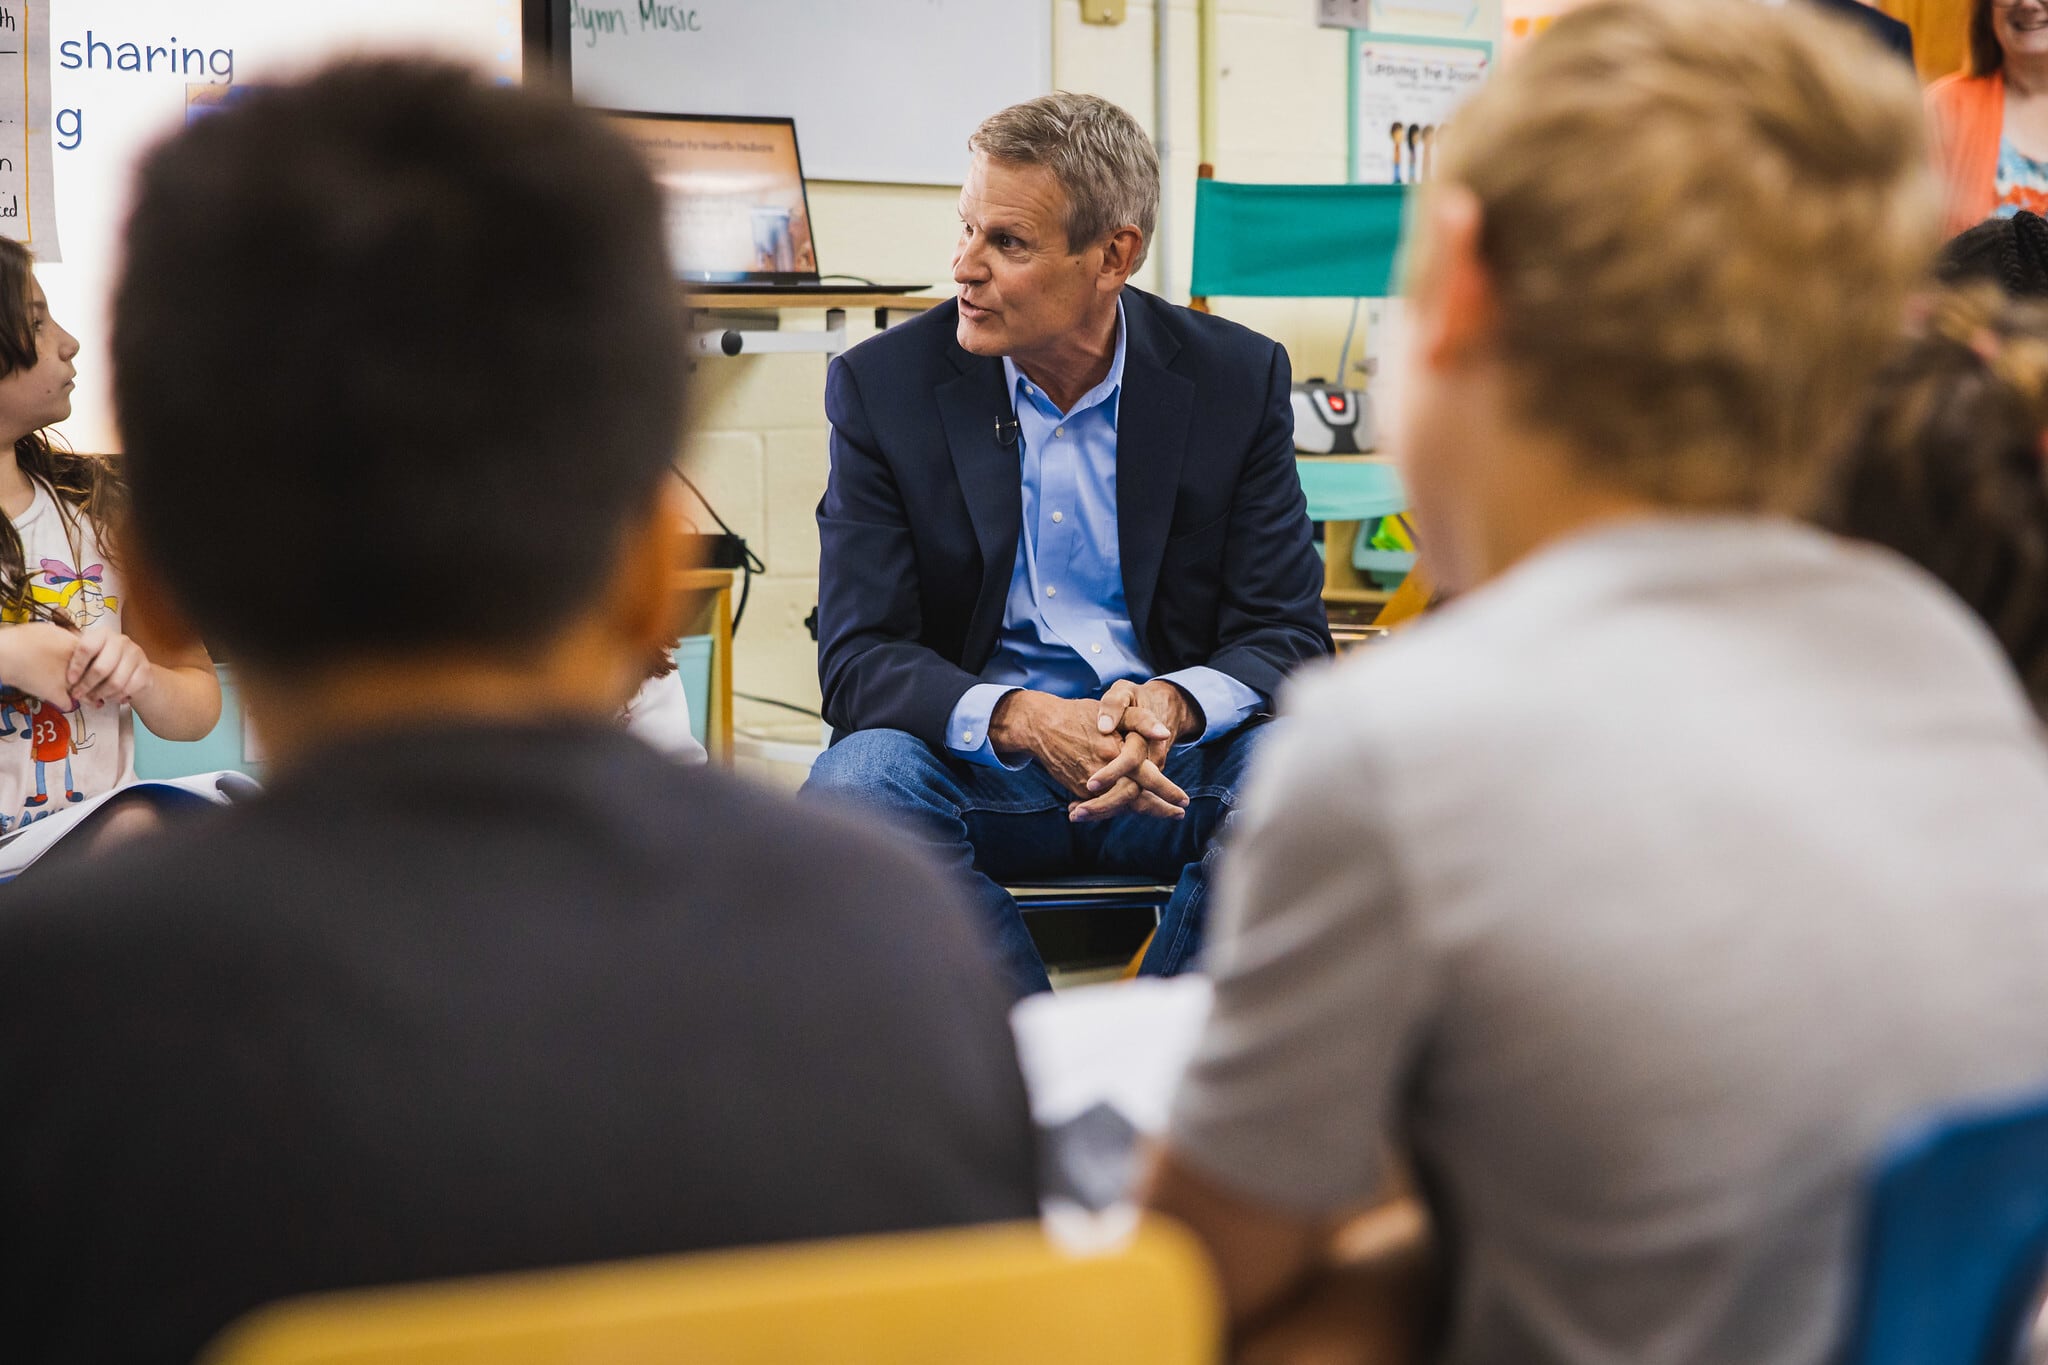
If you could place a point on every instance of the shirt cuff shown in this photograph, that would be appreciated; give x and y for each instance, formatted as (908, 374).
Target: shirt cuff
(1226, 703)
(967, 727)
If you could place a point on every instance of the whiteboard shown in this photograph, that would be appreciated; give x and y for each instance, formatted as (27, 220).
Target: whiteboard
(881, 90)
(122, 72)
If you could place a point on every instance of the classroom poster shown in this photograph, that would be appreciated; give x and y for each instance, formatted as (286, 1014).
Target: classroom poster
(1405, 94)
(28, 200)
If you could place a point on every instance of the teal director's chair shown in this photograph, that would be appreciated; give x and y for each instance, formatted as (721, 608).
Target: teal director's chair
(1296, 241)
(1320, 241)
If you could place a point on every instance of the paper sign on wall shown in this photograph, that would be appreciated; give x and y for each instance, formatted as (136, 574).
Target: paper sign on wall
(1405, 93)
(28, 202)
(1462, 11)
(1471, 20)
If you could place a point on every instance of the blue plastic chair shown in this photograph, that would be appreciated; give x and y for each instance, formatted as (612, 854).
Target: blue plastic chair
(1341, 491)
(1957, 1239)
(222, 750)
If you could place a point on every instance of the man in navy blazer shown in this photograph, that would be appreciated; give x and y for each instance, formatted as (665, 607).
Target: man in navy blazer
(1066, 561)
(1879, 25)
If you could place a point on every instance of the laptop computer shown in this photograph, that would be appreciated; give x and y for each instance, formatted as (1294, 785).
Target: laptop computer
(739, 220)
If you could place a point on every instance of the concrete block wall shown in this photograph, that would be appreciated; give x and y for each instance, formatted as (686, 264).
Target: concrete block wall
(758, 447)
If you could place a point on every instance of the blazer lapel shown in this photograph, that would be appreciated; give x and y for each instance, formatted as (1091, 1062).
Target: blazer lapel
(991, 480)
(1151, 442)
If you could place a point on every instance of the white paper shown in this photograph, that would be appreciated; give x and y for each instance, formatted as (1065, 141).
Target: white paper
(1125, 1043)
(19, 850)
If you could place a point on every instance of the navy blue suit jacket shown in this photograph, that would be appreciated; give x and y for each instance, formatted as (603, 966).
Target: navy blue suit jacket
(1887, 30)
(918, 527)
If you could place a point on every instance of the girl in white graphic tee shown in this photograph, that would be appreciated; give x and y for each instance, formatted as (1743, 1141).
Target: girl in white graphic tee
(77, 661)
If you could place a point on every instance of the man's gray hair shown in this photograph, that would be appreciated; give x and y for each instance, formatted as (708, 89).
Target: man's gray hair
(1097, 152)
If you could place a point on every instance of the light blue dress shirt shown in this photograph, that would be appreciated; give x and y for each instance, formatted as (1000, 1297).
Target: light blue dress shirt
(1066, 629)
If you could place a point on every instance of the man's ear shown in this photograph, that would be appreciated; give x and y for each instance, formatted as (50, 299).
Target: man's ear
(1452, 304)
(1119, 258)
(648, 607)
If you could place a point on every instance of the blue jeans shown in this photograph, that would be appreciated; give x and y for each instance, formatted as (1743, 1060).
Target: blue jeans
(988, 826)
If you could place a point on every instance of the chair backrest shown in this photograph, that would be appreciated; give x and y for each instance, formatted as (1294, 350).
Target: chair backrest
(1956, 1239)
(1296, 241)
(1350, 491)
(997, 1296)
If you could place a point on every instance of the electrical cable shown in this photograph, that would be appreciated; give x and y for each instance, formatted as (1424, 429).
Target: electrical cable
(857, 279)
(1344, 357)
(784, 705)
(750, 566)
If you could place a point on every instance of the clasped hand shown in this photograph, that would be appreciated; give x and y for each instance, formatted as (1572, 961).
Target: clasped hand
(1108, 752)
(64, 667)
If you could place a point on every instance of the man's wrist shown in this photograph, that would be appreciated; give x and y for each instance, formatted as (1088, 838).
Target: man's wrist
(1181, 712)
(1013, 722)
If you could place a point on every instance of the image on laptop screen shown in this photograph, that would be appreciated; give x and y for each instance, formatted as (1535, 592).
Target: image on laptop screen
(735, 196)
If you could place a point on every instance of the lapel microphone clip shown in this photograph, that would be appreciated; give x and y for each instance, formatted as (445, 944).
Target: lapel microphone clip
(1006, 431)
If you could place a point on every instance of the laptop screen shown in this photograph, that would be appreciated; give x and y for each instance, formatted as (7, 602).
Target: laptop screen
(734, 191)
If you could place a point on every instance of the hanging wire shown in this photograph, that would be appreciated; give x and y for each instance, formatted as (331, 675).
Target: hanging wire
(781, 705)
(749, 566)
(1344, 357)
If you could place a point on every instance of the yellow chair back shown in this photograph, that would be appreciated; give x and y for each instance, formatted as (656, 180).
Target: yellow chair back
(986, 1296)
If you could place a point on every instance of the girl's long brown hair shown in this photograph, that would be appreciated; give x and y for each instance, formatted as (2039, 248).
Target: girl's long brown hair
(82, 484)
(1950, 470)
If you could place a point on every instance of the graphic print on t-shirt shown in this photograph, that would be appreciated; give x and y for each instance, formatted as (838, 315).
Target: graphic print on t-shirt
(51, 740)
(51, 757)
(79, 593)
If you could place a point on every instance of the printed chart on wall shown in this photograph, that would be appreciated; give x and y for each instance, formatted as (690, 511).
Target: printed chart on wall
(1403, 92)
(27, 203)
(123, 73)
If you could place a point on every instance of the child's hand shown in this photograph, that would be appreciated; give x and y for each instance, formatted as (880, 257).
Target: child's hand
(106, 665)
(35, 657)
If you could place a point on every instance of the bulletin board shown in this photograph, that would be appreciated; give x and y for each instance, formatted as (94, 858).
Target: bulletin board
(1403, 89)
(1410, 63)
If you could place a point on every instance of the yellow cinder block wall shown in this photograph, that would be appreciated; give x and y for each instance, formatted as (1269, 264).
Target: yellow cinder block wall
(758, 447)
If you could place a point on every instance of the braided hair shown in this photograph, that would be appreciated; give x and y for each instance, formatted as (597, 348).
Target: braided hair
(1948, 467)
(2011, 253)
(82, 485)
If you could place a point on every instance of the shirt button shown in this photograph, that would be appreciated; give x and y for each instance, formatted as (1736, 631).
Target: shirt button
(1059, 431)
(1058, 517)
(1095, 649)
(1052, 592)
(967, 736)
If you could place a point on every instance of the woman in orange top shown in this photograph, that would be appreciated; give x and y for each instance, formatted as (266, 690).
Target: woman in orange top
(1991, 119)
